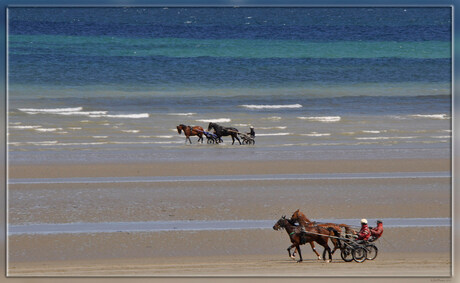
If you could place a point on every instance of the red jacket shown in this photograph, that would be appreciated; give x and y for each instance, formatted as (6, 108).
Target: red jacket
(377, 231)
(364, 233)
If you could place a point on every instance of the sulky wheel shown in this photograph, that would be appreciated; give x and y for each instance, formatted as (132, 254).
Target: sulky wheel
(346, 254)
(359, 254)
(372, 251)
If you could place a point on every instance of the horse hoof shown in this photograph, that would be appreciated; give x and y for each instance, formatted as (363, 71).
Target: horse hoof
(299, 261)
(319, 258)
(327, 261)
(293, 257)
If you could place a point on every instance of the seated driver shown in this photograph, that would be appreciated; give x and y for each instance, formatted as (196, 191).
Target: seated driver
(364, 233)
(377, 232)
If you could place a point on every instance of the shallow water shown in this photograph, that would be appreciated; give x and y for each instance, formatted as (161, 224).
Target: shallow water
(208, 178)
(159, 226)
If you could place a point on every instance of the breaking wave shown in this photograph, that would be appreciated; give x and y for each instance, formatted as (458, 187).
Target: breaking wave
(218, 120)
(256, 106)
(322, 118)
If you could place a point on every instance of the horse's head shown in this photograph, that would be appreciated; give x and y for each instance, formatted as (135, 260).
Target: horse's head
(295, 216)
(298, 216)
(210, 126)
(179, 129)
(280, 224)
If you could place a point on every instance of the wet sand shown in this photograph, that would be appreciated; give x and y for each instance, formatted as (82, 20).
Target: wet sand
(421, 251)
(227, 168)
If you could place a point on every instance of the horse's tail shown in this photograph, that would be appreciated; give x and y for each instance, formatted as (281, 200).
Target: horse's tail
(335, 233)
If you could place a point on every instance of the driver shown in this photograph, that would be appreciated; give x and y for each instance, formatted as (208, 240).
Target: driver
(364, 233)
(377, 232)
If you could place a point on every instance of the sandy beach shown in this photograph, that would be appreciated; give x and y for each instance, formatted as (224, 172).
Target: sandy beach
(419, 251)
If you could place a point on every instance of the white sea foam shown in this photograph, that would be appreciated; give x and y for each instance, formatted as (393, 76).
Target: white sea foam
(273, 118)
(441, 137)
(218, 120)
(182, 114)
(100, 137)
(256, 106)
(383, 138)
(130, 131)
(81, 113)
(315, 134)
(273, 134)
(24, 127)
(326, 119)
(446, 131)
(74, 128)
(47, 129)
(372, 132)
(78, 111)
(432, 116)
(42, 143)
(272, 128)
(163, 137)
(51, 110)
(129, 116)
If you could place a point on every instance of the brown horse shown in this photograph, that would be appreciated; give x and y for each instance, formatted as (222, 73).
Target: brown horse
(299, 217)
(302, 235)
(191, 131)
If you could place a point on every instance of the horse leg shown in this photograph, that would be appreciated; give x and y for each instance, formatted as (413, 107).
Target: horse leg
(328, 249)
(293, 254)
(314, 250)
(188, 138)
(237, 138)
(336, 245)
(300, 253)
(289, 251)
(335, 241)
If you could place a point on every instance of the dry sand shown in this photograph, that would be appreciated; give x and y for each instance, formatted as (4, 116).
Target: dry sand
(403, 251)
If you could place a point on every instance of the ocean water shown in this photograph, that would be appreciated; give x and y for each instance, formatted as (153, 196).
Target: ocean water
(111, 84)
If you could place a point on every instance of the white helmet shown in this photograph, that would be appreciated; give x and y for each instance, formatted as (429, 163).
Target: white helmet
(363, 221)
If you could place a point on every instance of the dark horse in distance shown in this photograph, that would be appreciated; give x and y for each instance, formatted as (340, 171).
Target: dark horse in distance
(191, 131)
(224, 131)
